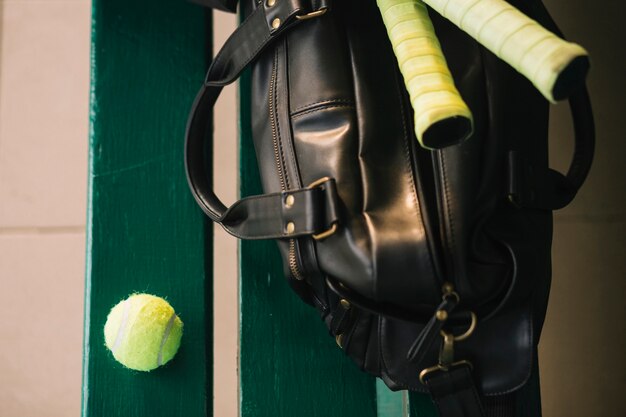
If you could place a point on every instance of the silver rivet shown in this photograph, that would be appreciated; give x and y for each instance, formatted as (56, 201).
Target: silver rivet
(291, 227)
(345, 304)
(276, 23)
(271, 3)
(289, 201)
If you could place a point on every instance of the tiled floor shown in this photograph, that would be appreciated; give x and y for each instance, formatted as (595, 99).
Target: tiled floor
(44, 92)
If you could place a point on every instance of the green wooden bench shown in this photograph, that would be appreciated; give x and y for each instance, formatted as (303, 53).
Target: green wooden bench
(146, 234)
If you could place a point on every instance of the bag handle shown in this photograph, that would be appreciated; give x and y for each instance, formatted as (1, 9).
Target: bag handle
(557, 190)
(312, 210)
(566, 186)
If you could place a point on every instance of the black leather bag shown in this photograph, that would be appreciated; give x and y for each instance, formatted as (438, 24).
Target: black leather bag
(431, 268)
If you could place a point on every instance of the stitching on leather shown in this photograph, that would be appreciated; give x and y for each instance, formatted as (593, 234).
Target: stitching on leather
(261, 237)
(381, 346)
(368, 336)
(290, 140)
(230, 40)
(319, 103)
(473, 389)
(449, 236)
(407, 154)
(351, 331)
(232, 231)
(436, 400)
(351, 106)
(359, 193)
(529, 362)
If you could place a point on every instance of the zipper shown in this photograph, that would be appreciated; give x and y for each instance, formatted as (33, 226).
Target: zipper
(441, 187)
(282, 176)
(293, 261)
(273, 122)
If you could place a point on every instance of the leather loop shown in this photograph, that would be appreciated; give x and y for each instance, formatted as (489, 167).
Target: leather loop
(269, 217)
(566, 186)
(254, 217)
(431, 331)
(554, 190)
(584, 145)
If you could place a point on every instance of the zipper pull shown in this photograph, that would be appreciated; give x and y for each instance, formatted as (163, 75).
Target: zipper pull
(433, 328)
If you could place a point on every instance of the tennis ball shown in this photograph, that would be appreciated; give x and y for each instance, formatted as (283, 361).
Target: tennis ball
(143, 332)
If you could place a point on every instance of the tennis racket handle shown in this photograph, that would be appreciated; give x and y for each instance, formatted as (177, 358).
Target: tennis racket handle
(441, 116)
(555, 67)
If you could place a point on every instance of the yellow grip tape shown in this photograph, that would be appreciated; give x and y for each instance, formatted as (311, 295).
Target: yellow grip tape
(433, 95)
(520, 41)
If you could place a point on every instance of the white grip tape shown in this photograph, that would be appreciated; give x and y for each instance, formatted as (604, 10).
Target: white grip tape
(515, 38)
(433, 95)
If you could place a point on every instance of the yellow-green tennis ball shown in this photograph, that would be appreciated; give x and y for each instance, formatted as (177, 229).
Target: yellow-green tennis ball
(143, 332)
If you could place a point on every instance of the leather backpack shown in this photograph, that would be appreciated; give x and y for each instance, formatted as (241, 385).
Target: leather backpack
(430, 268)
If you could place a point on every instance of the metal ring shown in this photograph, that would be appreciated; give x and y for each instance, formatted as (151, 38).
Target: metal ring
(318, 182)
(312, 15)
(333, 228)
(468, 333)
(329, 232)
(452, 294)
(442, 368)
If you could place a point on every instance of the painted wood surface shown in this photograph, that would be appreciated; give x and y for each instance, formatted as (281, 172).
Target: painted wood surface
(390, 403)
(145, 233)
(289, 365)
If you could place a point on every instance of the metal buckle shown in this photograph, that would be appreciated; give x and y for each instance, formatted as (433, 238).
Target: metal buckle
(446, 353)
(465, 335)
(312, 15)
(333, 227)
(443, 368)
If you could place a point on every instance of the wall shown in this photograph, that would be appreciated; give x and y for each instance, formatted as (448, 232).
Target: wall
(44, 93)
(581, 352)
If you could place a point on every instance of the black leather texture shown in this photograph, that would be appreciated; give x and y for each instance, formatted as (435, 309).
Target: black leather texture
(454, 393)
(329, 103)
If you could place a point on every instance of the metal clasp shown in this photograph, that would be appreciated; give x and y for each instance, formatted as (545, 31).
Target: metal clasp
(333, 227)
(446, 352)
(312, 15)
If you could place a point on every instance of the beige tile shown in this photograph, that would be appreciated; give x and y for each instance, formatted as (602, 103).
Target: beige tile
(44, 1)
(41, 277)
(44, 92)
(582, 362)
(226, 298)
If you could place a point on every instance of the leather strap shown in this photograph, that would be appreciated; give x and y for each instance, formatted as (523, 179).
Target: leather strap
(431, 331)
(313, 210)
(554, 190)
(454, 392)
(558, 190)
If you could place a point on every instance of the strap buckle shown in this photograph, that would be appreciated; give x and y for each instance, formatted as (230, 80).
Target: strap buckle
(312, 15)
(441, 368)
(446, 352)
(333, 227)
